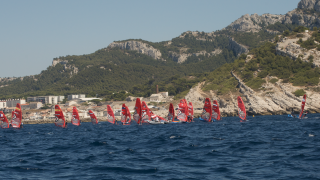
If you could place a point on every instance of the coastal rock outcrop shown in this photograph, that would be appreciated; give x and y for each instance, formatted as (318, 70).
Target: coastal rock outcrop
(182, 57)
(309, 4)
(141, 47)
(254, 22)
(274, 100)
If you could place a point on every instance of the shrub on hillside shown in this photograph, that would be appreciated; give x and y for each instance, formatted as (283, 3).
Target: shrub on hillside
(299, 92)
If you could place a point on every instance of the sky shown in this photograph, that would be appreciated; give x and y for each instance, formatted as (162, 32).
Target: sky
(33, 32)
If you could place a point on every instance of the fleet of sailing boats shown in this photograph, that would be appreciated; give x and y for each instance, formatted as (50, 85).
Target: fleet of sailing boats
(142, 114)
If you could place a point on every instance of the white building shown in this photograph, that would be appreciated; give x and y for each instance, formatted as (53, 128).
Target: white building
(13, 102)
(3, 104)
(76, 96)
(46, 99)
(156, 98)
(35, 105)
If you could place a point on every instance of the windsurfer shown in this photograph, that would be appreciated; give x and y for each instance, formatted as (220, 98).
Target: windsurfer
(292, 113)
(305, 114)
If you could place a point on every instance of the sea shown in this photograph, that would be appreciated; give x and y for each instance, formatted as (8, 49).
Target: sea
(264, 147)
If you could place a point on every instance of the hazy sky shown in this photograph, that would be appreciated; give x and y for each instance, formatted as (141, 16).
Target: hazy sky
(33, 32)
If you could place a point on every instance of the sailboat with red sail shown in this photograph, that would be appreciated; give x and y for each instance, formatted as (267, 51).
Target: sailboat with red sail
(137, 111)
(183, 113)
(125, 115)
(60, 120)
(110, 115)
(216, 111)
(16, 117)
(146, 115)
(170, 117)
(241, 110)
(93, 117)
(207, 111)
(303, 103)
(190, 110)
(4, 121)
(75, 120)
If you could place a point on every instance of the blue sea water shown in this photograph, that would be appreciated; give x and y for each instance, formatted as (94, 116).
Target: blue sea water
(265, 147)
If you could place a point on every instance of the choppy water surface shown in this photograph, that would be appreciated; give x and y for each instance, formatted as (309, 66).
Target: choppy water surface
(266, 147)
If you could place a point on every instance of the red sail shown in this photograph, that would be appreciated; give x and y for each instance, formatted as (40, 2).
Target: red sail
(303, 103)
(171, 113)
(146, 115)
(183, 111)
(128, 115)
(216, 111)
(207, 110)
(4, 121)
(190, 110)
(60, 120)
(110, 116)
(123, 113)
(75, 120)
(137, 111)
(16, 117)
(242, 109)
(93, 117)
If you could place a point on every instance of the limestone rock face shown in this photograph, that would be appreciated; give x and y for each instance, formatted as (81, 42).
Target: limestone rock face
(237, 48)
(290, 48)
(277, 100)
(307, 4)
(138, 46)
(254, 22)
(182, 57)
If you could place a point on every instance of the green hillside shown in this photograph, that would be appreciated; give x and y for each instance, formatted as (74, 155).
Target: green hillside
(110, 72)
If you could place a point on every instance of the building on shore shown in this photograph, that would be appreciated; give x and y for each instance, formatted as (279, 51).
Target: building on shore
(35, 105)
(14, 102)
(25, 106)
(46, 99)
(3, 104)
(76, 96)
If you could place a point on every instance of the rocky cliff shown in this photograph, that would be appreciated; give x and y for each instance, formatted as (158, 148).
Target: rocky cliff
(298, 16)
(277, 99)
(138, 46)
(309, 4)
(237, 48)
(255, 22)
(289, 47)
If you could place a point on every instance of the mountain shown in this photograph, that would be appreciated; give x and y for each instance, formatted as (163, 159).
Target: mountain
(136, 65)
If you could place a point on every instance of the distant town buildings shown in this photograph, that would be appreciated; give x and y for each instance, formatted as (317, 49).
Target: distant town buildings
(160, 97)
(13, 102)
(76, 96)
(46, 99)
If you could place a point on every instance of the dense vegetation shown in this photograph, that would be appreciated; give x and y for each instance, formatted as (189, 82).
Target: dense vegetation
(108, 72)
(114, 74)
(264, 63)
